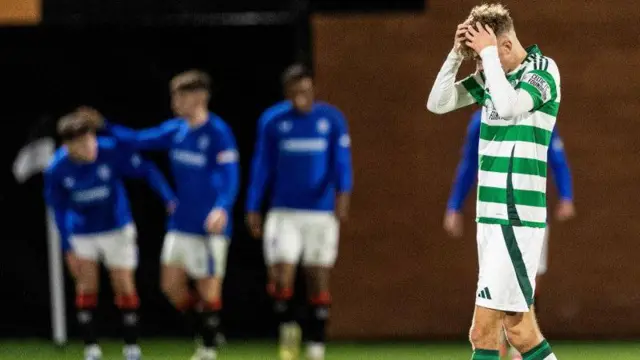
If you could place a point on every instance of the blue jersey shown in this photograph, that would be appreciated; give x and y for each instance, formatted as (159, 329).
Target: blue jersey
(467, 171)
(90, 198)
(303, 159)
(204, 163)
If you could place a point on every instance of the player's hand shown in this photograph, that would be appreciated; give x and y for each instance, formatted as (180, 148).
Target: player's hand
(216, 221)
(460, 37)
(565, 210)
(93, 115)
(480, 37)
(72, 263)
(254, 222)
(453, 223)
(171, 206)
(343, 203)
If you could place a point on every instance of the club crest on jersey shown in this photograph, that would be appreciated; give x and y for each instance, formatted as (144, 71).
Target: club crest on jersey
(323, 126)
(203, 142)
(285, 126)
(69, 182)
(104, 172)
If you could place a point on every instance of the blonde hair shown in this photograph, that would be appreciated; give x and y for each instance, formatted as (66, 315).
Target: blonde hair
(191, 79)
(495, 15)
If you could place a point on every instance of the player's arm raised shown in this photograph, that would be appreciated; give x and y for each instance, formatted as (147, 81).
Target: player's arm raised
(262, 166)
(536, 88)
(343, 170)
(154, 138)
(133, 165)
(228, 171)
(562, 176)
(56, 198)
(446, 94)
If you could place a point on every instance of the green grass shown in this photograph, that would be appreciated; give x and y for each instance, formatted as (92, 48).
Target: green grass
(178, 350)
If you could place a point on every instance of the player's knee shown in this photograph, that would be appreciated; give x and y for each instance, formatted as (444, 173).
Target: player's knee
(523, 339)
(171, 287)
(123, 282)
(484, 336)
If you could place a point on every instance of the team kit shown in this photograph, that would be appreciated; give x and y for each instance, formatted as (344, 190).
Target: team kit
(302, 171)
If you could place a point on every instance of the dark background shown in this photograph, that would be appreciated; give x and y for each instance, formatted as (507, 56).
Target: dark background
(398, 275)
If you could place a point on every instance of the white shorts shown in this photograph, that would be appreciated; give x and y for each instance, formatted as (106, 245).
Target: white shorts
(292, 234)
(116, 249)
(544, 256)
(508, 258)
(200, 256)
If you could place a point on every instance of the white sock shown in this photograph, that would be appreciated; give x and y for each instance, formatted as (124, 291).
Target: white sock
(551, 357)
(93, 350)
(132, 350)
(315, 351)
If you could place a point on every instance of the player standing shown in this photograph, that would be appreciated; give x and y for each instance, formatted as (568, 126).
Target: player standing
(303, 156)
(467, 173)
(519, 90)
(204, 162)
(83, 185)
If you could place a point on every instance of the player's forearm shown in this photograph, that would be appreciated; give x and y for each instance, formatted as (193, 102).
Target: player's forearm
(60, 217)
(465, 178)
(563, 180)
(509, 102)
(159, 183)
(230, 185)
(446, 95)
(146, 139)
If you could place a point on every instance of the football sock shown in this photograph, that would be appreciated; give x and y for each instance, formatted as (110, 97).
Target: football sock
(318, 318)
(86, 306)
(128, 305)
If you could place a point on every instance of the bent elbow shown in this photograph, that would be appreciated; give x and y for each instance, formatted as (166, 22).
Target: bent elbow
(434, 107)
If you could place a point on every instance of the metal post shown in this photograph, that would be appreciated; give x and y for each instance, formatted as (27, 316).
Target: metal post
(56, 283)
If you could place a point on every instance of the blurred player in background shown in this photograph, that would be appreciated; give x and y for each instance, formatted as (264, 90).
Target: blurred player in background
(303, 156)
(204, 162)
(519, 90)
(83, 185)
(466, 175)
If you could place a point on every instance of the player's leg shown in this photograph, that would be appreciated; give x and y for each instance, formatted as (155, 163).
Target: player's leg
(320, 249)
(209, 285)
(174, 280)
(173, 276)
(522, 328)
(283, 248)
(121, 258)
(498, 290)
(542, 269)
(87, 286)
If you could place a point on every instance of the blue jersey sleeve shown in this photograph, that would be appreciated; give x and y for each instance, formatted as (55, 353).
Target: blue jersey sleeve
(227, 168)
(133, 165)
(262, 165)
(467, 171)
(560, 167)
(341, 149)
(155, 138)
(57, 199)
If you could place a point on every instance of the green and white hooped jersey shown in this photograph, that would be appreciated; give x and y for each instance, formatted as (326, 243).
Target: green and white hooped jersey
(512, 174)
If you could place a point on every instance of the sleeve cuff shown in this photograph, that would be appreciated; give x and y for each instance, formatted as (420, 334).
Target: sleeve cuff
(489, 52)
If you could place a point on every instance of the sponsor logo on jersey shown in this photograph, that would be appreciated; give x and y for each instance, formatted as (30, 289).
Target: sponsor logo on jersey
(304, 145)
(285, 126)
(104, 172)
(323, 126)
(136, 160)
(189, 158)
(203, 142)
(92, 194)
(68, 182)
